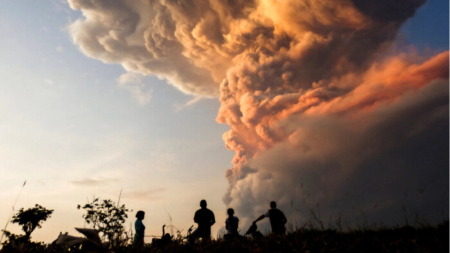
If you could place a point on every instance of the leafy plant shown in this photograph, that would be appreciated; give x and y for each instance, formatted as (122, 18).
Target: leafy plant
(31, 218)
(13, 239)
(108, 218)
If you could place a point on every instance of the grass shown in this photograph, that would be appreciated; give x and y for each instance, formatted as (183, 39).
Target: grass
(402, 239)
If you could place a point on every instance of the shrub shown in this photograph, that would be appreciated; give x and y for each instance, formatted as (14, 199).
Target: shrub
(108, 219)
(31, 218)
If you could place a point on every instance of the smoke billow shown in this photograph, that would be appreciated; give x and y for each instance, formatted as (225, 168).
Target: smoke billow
(320, 116)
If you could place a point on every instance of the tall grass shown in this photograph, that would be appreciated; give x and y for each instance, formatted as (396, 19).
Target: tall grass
(12, 210)
(402, 239)
(311, 236)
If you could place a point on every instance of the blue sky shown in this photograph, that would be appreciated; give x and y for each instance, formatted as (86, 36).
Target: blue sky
(429, 27)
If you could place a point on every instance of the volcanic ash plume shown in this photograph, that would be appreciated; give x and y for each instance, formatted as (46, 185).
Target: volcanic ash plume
(321, 115)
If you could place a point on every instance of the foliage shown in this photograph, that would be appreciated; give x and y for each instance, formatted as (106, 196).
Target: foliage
(404, 239)
(19, 243)
(108, 218)
(31, 218)
(13, 239)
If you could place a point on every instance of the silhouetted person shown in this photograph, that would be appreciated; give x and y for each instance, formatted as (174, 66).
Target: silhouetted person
(165, 238)
(140, 229)
(276, 217)
(231, 224)
(205, 219)
(253, 232)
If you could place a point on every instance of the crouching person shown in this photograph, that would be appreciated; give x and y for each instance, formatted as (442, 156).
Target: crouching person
(232, 224)
(166, 238)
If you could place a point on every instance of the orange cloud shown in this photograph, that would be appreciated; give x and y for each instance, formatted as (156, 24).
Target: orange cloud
(305, 86)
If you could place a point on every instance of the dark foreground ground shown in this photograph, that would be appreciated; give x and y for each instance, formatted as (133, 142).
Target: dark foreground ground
(405, 239)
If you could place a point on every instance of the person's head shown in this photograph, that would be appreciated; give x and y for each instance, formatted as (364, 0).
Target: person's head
(203, 203)
(230, 212)
(140, 215)
(273, 204)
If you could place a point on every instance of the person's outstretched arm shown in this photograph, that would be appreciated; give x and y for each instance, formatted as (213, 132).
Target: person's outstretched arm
(163, 231)
(260, 218)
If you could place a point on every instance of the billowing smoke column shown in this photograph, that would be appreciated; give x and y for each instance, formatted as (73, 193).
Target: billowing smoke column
(322, 117)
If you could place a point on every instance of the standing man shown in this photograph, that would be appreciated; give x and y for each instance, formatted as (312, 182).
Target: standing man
(205, 219)
(276, 217)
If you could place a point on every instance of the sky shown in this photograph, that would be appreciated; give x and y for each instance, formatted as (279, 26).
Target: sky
(342, 110)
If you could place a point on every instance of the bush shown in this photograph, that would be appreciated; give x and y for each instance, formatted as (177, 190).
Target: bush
(108, 219)
(31, 218)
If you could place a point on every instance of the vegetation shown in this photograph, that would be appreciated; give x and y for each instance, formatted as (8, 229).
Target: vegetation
(405, 239)
(108, 218)
(29, 219)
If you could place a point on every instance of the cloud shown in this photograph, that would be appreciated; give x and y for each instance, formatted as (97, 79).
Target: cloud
(150, 194)
(193, 44)
(317, 110)
(142, 40)
(132, 82)
(179, 107)
(94, 181)
(316, 145)
(59, 49)
(348, 164)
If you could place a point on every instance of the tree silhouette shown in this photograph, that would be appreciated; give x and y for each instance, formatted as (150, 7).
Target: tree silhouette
(106, 217)
(31, 218)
